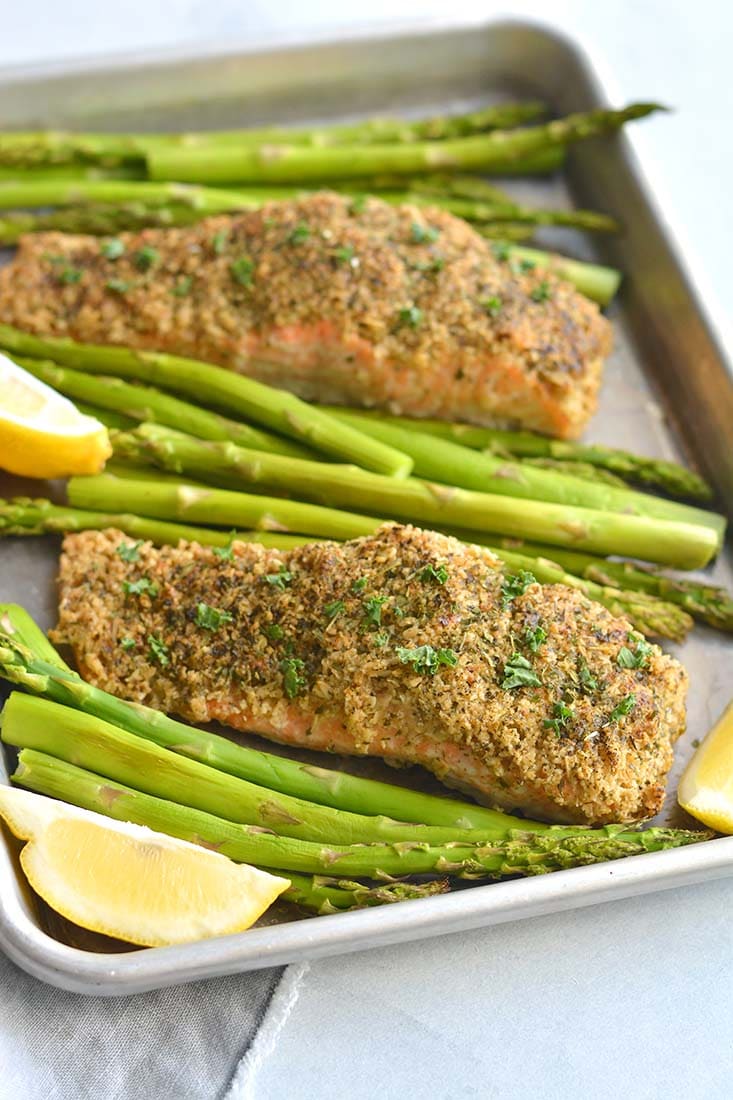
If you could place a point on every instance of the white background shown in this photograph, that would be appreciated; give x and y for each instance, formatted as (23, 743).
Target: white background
(633, 999)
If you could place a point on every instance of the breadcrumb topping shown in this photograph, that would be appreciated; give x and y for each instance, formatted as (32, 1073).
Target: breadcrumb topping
(366, 303)
(407, 644)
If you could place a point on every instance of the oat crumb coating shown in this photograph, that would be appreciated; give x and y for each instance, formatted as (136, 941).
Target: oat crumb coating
(360, 303)
(319, 647)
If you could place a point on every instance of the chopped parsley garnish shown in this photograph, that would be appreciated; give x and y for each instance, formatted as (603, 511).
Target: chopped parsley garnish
(359, 585)
(516, 584)
(281, 579)
(410, 315)
(211, 618)
(299, 234)
(501, 250)
(143, 586)
(373, 609)
(226, 553)
(158, 650)
(638, 657)
(69, 275)
(112, 249)
(146, 257)
(357, 204)
(561, 715)
(588, 682)
(424, 234)
(119, 286)
(333, 609)
(434, 265)
(128, 643)
(293, 682)
(242, 271)
(436, 573)
(526, 265)
(219, 241)
(346, 254)
(182, 287)
(625, 707)
(381, 638)
(274, 632)
(541, 292)
(130, 551)
(426, 660)
(492, 305)
(535, 637)
(518, 672)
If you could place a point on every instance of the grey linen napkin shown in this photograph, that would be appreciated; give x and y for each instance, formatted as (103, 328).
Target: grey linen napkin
(182, 1043)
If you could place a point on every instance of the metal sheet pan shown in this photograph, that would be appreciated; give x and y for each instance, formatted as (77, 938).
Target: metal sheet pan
(668, 390)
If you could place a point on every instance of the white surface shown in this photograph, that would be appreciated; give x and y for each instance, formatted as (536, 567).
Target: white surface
(630, 999)
(627, 1000)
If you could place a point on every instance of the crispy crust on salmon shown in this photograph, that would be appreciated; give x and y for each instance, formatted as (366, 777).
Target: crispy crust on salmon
(319, 651)
(397, 307)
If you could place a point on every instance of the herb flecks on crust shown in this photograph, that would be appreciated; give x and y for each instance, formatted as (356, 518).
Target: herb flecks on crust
(358, 653)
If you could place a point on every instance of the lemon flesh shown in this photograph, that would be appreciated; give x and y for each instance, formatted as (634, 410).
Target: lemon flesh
(129, 882)
(706, 787)
(42, 434)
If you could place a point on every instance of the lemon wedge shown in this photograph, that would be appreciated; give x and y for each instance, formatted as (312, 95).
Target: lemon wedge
(706, 787)
(42, 434)
(128, 881)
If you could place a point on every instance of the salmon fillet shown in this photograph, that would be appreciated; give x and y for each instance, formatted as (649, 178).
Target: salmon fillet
(408, 645)
(370, 304)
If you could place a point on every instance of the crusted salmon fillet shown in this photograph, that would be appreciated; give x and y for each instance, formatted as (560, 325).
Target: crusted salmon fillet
(368, 304)
(408, 645)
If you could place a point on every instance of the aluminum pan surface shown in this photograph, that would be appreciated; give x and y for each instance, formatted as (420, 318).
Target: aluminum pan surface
(665, 408)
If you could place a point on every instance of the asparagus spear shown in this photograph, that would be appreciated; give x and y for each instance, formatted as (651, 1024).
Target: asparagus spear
(584, 470)
(107, 220)
(377, 130)
(31, 148)
(660, 540)
(73, 170)
(106, 749)
(109, 417)
(108, 206)
(705, 602)
(31, 192)
(18, 627)
(538, 164)
(522, 854)
(139, 402)
(652, 472)
(288, 163)
(171, 499)
(322, 894)
(491, 213)
(276, 409)
(433, 183)
(494, 213)
(452, 463)
(647, 613)
(23, 516)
